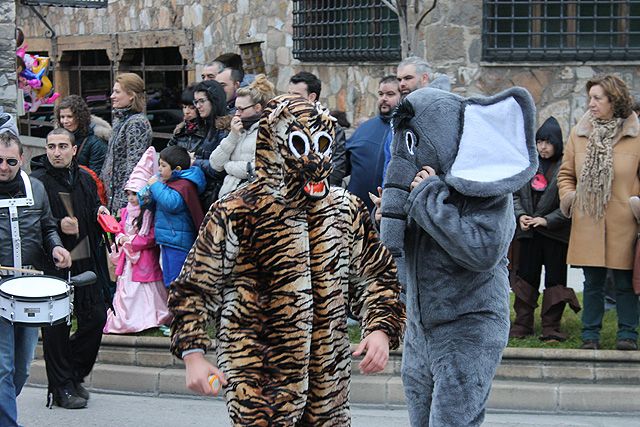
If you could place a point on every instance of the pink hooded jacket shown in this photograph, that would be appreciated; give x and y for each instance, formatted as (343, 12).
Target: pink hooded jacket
(147, 268)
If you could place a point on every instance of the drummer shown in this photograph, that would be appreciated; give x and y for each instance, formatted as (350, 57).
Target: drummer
(75, 205)
(37, 233)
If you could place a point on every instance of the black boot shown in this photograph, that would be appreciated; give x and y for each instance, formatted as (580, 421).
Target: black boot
(81, 391)
(66, 397)
(526, 301)
(554, 300)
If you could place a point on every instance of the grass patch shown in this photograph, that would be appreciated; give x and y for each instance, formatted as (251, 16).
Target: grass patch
(571, 325)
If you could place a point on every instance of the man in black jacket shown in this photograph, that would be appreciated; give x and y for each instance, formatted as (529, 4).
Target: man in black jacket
(38, 237)
(69, 359)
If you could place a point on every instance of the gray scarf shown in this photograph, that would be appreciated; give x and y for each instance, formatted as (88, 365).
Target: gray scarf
(594, 184)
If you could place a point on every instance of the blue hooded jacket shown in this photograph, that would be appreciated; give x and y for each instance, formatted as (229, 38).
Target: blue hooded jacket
(173, 224)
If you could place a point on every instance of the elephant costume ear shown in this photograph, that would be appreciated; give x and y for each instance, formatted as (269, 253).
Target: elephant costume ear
(497, 151)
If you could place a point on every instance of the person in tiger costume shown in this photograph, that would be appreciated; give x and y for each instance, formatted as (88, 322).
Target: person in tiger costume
(277, 265)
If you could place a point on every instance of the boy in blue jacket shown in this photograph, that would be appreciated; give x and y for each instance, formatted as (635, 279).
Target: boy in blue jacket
(178, 213)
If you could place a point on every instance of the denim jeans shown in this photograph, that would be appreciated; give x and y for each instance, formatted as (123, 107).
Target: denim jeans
(593, 307)
(17, 346)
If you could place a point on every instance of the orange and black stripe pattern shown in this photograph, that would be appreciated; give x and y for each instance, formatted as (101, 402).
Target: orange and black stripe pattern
(276, 276)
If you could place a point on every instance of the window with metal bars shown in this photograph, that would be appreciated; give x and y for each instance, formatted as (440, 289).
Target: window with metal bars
(345, 31)
(516, 30)
(67, 3)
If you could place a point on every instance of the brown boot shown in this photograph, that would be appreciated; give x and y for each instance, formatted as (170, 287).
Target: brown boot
(526, 301)
(554, 300)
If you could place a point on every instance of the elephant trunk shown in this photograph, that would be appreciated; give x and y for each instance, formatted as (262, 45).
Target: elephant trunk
(400, 174)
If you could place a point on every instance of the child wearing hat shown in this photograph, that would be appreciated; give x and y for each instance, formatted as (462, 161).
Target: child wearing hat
(140, 301)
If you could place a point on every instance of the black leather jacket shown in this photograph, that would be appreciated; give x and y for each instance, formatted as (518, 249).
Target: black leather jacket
(38, 230)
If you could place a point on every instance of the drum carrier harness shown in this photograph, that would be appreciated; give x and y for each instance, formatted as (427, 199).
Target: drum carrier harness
(13, 205)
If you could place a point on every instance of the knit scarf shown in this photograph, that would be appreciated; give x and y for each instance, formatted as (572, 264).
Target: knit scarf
(594, 184)
(133, 211)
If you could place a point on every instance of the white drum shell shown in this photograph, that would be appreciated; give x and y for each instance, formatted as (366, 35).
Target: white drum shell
(35, 300)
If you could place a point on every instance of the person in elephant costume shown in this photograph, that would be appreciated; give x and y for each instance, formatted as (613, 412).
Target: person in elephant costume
(447, 217)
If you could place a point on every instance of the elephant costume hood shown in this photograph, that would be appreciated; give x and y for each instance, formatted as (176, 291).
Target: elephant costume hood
(470, 141)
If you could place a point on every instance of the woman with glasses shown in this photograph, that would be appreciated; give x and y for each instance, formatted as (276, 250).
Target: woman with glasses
(130, 138)
(210, 101)
(236, 153)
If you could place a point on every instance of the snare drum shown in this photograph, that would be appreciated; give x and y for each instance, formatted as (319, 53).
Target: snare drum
(35, 300)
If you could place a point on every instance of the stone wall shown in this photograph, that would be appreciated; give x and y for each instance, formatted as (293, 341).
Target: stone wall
(8, 89)
(451, 37)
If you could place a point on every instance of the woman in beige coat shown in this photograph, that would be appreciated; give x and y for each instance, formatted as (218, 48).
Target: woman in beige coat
(598, 185)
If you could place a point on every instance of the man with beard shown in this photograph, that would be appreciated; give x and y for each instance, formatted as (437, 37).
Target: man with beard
(364, 145)
(413, 73)
(69, 359)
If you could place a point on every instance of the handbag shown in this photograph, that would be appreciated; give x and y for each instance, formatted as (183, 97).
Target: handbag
(109, 224)
(636, 268)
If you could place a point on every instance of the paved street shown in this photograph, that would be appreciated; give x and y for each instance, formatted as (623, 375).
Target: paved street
(141, 411)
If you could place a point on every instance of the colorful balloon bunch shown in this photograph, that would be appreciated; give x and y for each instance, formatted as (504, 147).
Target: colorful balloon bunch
(32, 76)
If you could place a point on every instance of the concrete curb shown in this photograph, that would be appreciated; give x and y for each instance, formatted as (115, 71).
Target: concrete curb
(383, 390)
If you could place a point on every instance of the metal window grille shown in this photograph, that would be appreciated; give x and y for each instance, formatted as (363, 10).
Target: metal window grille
(67, 3)
(516, 30)
(345, 31)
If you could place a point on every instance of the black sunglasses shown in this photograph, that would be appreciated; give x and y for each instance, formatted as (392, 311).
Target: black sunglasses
(10, 162)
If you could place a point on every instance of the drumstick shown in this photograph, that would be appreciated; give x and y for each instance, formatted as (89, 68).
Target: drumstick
(21, 270)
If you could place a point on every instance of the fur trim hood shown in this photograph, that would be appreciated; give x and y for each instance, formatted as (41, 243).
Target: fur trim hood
(100, 128)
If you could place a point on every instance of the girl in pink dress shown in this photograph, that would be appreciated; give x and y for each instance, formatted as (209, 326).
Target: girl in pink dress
(140, 301)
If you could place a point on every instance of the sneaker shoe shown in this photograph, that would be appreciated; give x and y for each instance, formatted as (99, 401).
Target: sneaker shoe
(66, 397)
(590, 345)
(626, 345)
(81, 391)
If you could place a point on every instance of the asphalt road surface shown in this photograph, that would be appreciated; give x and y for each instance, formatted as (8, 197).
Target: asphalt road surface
(107, 409)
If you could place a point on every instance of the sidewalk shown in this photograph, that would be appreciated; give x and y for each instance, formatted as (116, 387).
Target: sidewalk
(539, 380)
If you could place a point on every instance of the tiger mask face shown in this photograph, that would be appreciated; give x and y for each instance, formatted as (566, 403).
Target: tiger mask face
(300, 136)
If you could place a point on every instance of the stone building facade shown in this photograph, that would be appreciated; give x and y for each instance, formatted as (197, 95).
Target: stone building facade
(202, 29)
(8, 91)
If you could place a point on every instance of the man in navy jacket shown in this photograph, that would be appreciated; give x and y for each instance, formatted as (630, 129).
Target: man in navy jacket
(364, 146)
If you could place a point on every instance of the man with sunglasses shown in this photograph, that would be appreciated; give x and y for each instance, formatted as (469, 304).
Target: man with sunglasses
(23, 201)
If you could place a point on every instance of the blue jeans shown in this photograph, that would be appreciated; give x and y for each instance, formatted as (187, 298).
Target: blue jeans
(17, 346)
(593, 307)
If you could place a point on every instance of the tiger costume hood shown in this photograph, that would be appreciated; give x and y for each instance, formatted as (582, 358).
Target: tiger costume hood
(294, 146)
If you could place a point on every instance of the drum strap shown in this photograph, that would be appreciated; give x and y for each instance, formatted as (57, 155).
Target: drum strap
(13, 205)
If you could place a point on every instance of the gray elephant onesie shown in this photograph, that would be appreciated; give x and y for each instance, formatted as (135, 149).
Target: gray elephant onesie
(450, 236)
